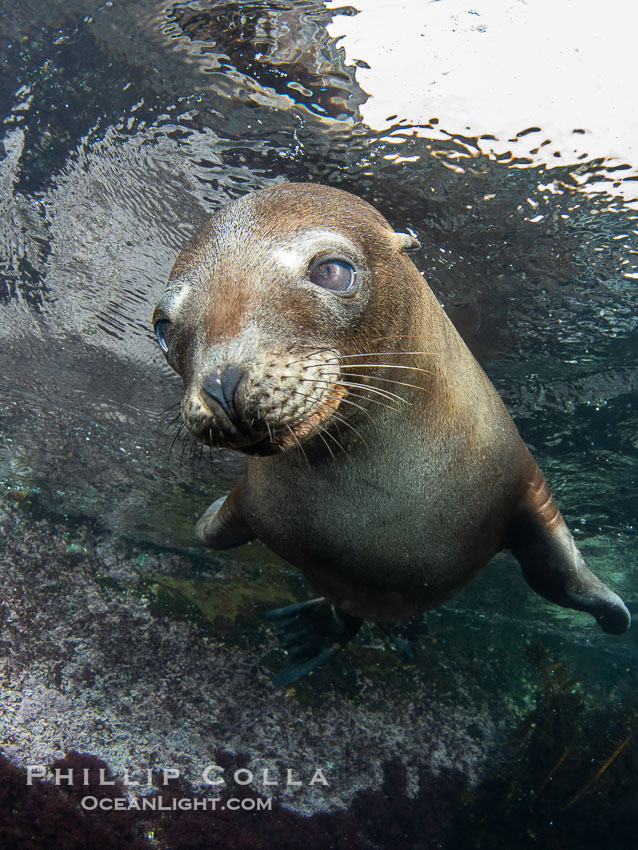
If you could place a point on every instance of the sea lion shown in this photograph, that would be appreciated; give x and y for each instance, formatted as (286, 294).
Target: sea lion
(381, 461)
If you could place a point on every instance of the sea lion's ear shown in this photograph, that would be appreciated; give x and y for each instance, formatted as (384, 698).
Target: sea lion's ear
(407, 242)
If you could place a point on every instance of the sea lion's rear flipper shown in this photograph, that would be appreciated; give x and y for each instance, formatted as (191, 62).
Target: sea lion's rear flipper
(311, 633)
(553, 566)
(222, 526)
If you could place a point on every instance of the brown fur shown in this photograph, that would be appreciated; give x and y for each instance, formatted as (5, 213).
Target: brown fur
(389, 496)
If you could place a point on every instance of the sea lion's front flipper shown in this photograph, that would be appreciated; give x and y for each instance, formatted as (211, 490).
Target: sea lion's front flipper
(311, 633)
(222, 526)
(553, 566)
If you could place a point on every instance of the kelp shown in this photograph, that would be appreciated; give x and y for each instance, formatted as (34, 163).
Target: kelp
(570, 778)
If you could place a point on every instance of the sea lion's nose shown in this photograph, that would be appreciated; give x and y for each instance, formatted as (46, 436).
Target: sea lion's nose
(221, 385)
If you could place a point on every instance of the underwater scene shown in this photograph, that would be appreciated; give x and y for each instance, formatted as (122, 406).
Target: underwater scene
(150, 697)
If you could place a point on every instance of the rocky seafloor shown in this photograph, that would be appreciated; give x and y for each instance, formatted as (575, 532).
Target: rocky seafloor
(89, 665)
(127, 657)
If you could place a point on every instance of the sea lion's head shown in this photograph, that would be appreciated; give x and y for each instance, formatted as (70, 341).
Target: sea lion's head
(272, 306)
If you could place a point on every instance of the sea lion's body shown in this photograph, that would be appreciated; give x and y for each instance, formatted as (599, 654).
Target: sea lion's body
(404, 520)
(381, 460)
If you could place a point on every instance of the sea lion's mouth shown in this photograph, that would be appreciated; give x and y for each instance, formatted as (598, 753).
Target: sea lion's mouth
(259, 436)
(236, 436)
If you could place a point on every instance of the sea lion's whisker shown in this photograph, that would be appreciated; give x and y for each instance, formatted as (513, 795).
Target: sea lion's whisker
(184, 445)
(301, 448)
(332, 437)
(333, 413)
(323, 440)
(305, 356)
(173, 441)
(356, 395)
(341, 398)
(389, 381)
(387, 394)
(345, 422)
(390, 396)
(320, 433)
(339, 357)
(388, 366)
(381, 353)
(169, 408)
(196, 449)
(330, 412)
(160, 416)
(186, 449)
(168, 426)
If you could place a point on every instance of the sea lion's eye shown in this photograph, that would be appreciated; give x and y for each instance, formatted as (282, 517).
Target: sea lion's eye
(164, 331)
(335, 275)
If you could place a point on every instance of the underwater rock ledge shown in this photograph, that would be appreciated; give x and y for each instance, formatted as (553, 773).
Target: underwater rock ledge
(86, 666)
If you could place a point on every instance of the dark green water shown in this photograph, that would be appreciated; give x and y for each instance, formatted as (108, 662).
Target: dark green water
(124, 125)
